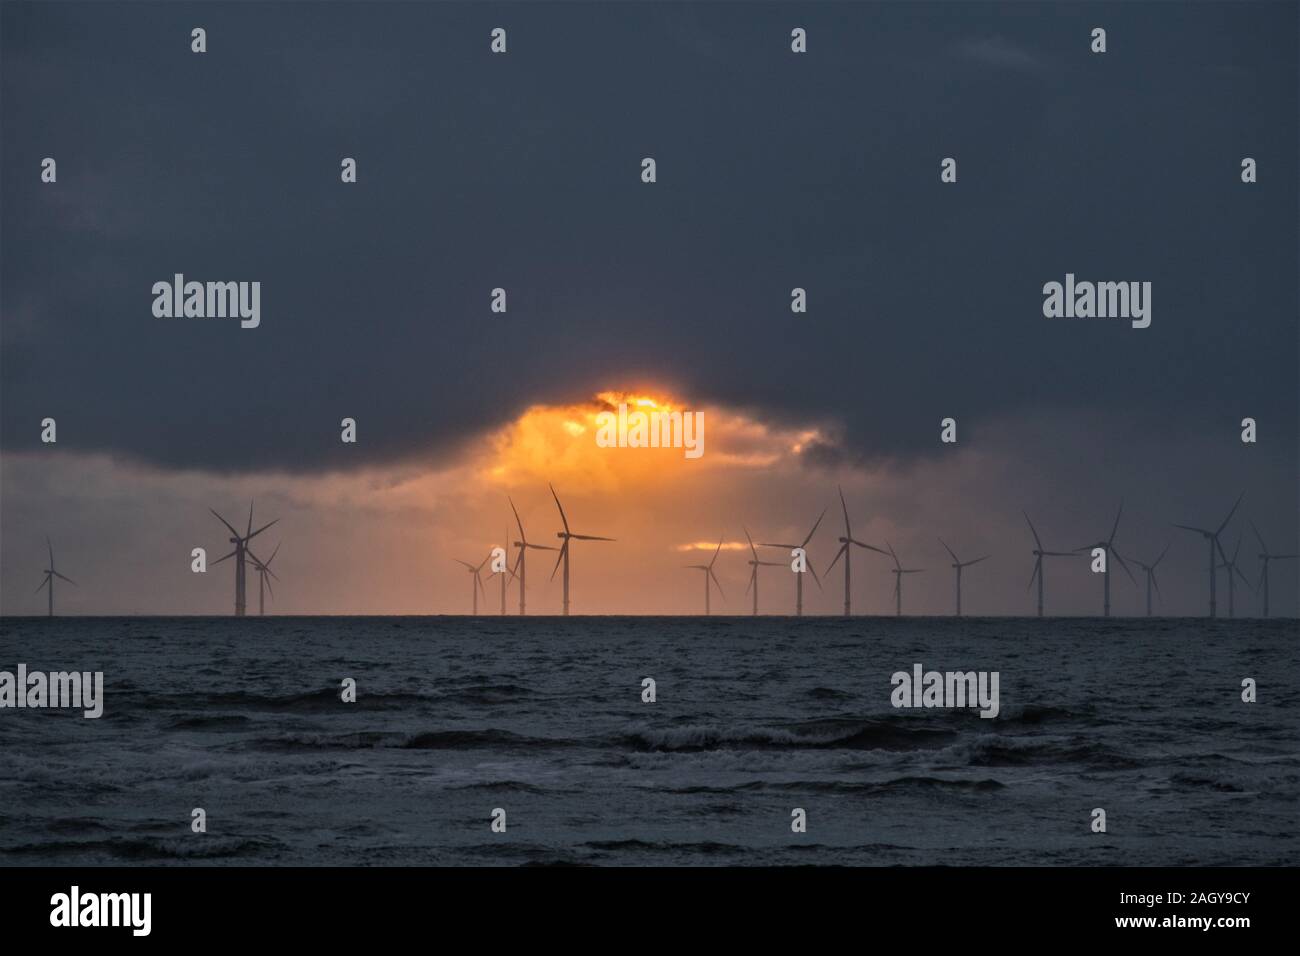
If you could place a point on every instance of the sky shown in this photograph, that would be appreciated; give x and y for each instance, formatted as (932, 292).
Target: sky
(522, 171)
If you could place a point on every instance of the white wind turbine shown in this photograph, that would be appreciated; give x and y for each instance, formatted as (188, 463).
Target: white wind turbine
(1265, 557)
(958, 564)
(521, 563)
(474, 570)
(50, 575)
(264, 585)
(1039, 554)
(846, 553)
(898, 572)
(1212, 541)
(798, 578)
(1150, 570)
(708, 574)
(240, 553)
(754, 565)
(567, 537)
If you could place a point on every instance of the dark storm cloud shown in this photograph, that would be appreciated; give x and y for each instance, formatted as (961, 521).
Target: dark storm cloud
(522, 171)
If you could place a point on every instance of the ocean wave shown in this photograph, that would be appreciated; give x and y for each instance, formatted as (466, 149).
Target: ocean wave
(884, 734)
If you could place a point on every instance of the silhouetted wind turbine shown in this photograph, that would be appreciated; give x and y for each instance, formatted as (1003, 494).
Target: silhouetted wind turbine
(50, 575)
(506, 571)
(521, 562)
(798, 578)
(1212, 540)
(845, 552)
(1231, 567)
(1108, 546)
(754, 565)
(1039, 554)
(239, 553)
(1150, 570)
(262, 583)
(899, 571)
(958, 564)
(708, 573)
(1265, 556)
(478, 581)
(567, 537)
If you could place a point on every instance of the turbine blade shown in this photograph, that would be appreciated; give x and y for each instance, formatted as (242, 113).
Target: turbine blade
(273, 554)
(977, 560)
(1157, 584)
(591, 537)
(1187, 527)
(815, 526)
(1258, 537)
(751, 544)
(51, 547)
(1162, 556)
(64, 577)
(224, 557)
(715, 554)
(1038, 565)
(1115, 527)
(261, 529)
(717, 582)
(753, 574)
(560, 506)
(814, 574)
(1231, 513)
(848, 531)
(226, 523)
(838, 554)
(897, 565)
(560, 557)
(250, 518)
(464, 563)
(1118, 558)
(44, 581)
(1032, 531)
(955, 559)
(522, 537)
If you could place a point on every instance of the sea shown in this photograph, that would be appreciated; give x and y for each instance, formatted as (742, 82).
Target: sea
(542, 724)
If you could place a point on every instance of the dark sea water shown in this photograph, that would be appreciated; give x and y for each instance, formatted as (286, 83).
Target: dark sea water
(543, 717)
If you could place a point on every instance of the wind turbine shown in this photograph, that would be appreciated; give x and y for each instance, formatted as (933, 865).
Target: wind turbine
(958, 564)
(1212, 541)
(846, 552)
(263, 584)
(1109, 547)
(798, 578)
(708, 573)
(1265, 556)
(50, 575)
(507, 570)
(754, 565)
(239, 553)
(567, 537)
(899, 571)
(521, 563)
(1150, 570)
(478, 582)
(1039, 554)
(1232, 569)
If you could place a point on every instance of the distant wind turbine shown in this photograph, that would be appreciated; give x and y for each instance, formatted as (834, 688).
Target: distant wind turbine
(1039, 554)
(263, 584)
(567, 537)
(50, 575)
(240, 553)
(845, 552)
(474, 569)
(1212, 541)
(1150, 570)
(898, 572)
(1231, 567)
(505, 572)
(754, 565)
(1265, 556)
(521, 562)
(958, 564)
(1108, 546)
(708, 574)
(798, 578)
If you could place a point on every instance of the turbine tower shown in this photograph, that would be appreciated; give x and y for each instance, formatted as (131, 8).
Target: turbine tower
(1265, 556)
(798, 578)
(899, 571)
(567, 537)
(1212, 541)
(240, 553)
(50, 575)
(521, 563)
(708, 573)
(754, 565)
(1109, 547)
(1039, 554)
(958, 564)
(504, 571)
(474, 569)
(845, 552)
(264, 585)
(1231, 567)
(1150, 570)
